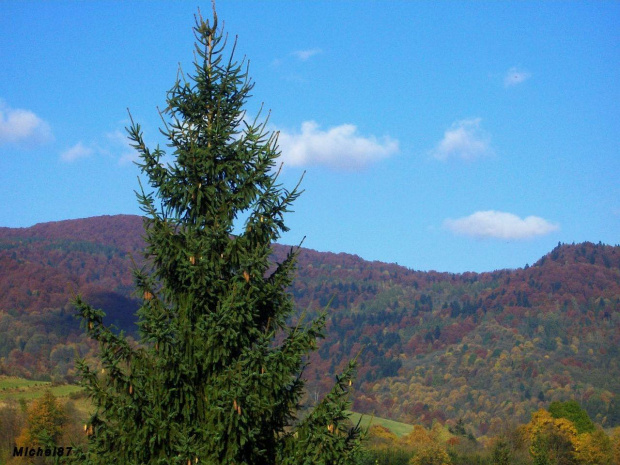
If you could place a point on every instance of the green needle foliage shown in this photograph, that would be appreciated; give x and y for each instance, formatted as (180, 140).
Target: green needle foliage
(217, 375)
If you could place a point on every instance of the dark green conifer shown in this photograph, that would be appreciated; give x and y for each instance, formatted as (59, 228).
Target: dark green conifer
(216, 377)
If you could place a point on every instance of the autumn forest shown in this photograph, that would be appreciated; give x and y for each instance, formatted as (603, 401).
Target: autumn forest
(468, 356)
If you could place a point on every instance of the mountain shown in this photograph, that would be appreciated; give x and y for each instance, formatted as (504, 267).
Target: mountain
(482, 347)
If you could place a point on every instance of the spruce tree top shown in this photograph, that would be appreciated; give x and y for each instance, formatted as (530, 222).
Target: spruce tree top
(222, 169)
(217, 376)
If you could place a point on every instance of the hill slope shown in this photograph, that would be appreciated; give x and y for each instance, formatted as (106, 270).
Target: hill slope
(436, 346)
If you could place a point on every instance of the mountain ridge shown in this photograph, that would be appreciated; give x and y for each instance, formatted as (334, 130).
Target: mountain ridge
(436, 346)
(97, 229)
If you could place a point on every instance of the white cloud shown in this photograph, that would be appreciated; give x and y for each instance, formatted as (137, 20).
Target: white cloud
(118, 138)
(76, 152)
(514, 76)
(120, 143)
(464, 140)
(129, 157)
(339, 147)
(305, 55)
(500, 225)
(114, 145)
(22, 127)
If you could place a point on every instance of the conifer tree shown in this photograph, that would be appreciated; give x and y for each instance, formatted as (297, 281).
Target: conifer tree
(217, 375)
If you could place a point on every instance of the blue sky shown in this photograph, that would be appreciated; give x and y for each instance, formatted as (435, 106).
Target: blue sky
(449, 136)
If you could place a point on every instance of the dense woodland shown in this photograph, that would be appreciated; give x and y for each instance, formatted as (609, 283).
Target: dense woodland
(435, 348)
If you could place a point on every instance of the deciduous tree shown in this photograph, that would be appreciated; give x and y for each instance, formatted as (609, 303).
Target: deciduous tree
(44, 422)
(571, 410)
(431, 455)
(594, 448)
(552, 440)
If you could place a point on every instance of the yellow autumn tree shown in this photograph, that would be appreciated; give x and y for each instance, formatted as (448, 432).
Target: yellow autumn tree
(44, 422)
(380, 438)
(552, 440)
(615, 445)
(432, 454)
(594, 448)
(418, 437)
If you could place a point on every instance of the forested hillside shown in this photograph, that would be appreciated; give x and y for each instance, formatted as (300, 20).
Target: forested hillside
(433, 346)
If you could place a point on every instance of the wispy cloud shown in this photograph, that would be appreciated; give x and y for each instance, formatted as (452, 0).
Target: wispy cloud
(112, 145)
(305, 55)
(515, 76)
(22, 127)
(340, 147)
(465, 140)
(500, 225)
(119, 143)
(76, 152)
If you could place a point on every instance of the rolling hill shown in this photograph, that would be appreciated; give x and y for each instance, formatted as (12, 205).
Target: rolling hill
(482, 347)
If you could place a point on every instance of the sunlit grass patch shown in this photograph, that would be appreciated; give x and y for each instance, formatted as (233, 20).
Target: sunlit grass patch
(399, 429)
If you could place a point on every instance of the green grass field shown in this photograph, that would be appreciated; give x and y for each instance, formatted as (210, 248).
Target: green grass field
(12, 388)
(399, 429)
(9, 382)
